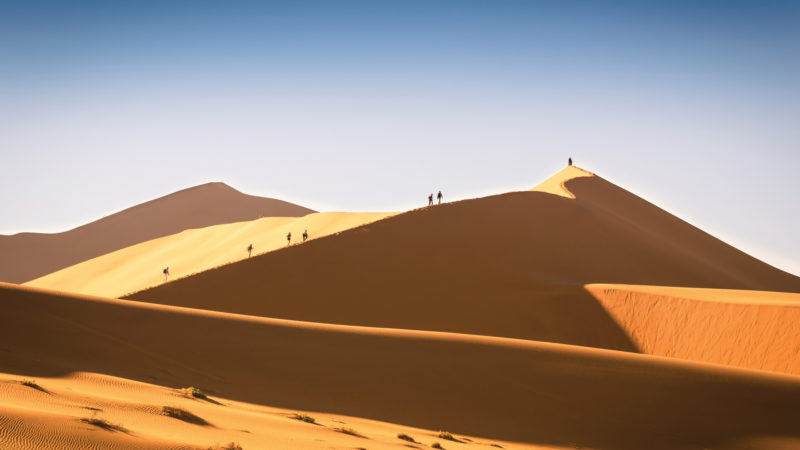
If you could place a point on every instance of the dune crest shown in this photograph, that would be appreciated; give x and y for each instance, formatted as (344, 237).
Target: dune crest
(556, 184)
(139, 266)
(751, 329)
(26, 256)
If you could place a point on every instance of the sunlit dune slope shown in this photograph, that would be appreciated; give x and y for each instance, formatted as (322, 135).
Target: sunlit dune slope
(191, 251)
(26, 256)
(754, 329)
(492, 387)
(50, 416)
(510, 265)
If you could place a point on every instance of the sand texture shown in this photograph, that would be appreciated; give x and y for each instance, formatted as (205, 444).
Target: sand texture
(497, 388)
(575, 315)
(26, 256)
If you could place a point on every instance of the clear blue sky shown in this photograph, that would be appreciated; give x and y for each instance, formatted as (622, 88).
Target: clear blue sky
(345, 105)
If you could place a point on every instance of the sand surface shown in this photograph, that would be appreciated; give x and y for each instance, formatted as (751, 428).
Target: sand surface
(496, 388)
(26, 256)
(51, 415)
(192, 251)
(511, 265)
(754, 329)
(576, 315)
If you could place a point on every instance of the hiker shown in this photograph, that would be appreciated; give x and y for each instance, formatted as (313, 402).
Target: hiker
(569, 161)
(430, 200)
(289, 238)
(166, 273)
(305, 235)
(249, 250)
(439, 196)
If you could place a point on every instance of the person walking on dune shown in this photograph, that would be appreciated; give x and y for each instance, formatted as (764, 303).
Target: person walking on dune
(430, 200)
(289, 239)
(166, 273)
(569, 161)
(249, 250)
(439, 196)
(305, 235)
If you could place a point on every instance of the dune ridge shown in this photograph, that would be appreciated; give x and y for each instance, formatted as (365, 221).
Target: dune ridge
(753, 329)
(26, 256)
(139, 266)
(498, 388)
(510, 265)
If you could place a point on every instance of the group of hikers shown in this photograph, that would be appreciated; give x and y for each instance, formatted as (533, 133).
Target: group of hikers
(250, 247)
(439, 196)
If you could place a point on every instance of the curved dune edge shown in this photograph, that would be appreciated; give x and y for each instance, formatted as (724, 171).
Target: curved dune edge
(556, 184)
(749, 329)
(192, 251)
(507, 389)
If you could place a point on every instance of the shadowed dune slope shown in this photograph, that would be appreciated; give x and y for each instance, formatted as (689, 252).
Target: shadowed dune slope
(26, 256)
(191, 251)
(494, 387)
(753, 329)
(511, 265)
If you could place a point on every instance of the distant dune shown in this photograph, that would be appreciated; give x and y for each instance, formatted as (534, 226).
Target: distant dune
(515, 390)
(139, 266)
(511, 265)
(26, 256)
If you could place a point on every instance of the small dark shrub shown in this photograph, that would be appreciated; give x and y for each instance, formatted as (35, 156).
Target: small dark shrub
(406, 437)
(194, 392)
(348, 430)
(305, 418)
(437, 445)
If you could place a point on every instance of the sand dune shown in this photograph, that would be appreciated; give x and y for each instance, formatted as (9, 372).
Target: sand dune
(754, 329)
(26, 256)
(139, 266)
(497, 388)
(510, 265)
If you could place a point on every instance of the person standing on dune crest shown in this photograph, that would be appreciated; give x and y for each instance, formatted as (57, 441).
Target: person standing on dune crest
(430, 200)
(440, 196)
(166, 273)
(569, 161)
(305, 235)
(249, 250)
(289, 239)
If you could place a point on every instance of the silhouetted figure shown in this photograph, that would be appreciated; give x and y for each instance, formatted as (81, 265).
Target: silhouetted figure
(289, 238)
(166, 273)
(440, 196)
(249, 250)
(305, 235)
(569, 161)
(430, 200)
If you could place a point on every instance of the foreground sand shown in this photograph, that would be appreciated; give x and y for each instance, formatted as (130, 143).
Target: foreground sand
(192, 251)
(26, 256)
(496, 388)
(50, 414)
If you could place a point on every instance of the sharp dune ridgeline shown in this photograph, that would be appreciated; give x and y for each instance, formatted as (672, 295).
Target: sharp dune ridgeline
(138, 267)
(574, 315)
(511, 265)
(26, 256)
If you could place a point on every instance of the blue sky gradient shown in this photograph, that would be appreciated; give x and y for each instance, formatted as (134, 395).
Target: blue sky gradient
(372, 105)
